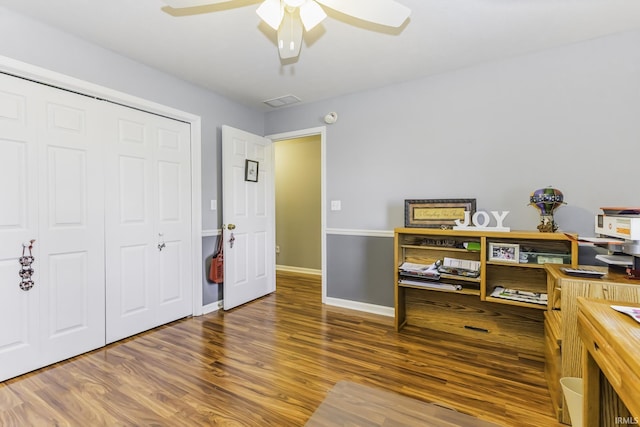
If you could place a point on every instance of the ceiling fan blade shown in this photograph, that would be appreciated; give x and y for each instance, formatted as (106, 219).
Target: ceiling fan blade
(271, 12)
(180, 4)
(290, 36)
(384, 12)
(311, 14)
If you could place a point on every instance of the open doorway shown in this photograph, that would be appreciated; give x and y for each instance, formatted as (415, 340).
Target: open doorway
(300, 207)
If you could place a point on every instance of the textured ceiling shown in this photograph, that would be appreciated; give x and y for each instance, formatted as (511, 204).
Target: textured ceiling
(228, 49)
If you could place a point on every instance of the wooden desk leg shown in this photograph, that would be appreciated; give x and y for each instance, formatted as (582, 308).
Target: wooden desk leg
(591, 396)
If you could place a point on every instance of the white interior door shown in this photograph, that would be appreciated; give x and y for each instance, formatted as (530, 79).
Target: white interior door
(51, 190)
(148, 222)
(249, 218)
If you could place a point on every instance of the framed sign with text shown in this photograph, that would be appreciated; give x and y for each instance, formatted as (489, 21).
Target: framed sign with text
(436, 213)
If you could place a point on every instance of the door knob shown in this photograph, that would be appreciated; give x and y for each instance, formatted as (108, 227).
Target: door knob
(231, 227)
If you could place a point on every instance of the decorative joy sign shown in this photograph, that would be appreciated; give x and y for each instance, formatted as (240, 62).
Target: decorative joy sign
(481, 220)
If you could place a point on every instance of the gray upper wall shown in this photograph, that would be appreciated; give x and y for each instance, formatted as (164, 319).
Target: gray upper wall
(32, 42)
(566, 117)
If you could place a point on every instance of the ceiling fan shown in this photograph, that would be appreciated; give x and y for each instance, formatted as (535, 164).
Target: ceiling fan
(290, 17)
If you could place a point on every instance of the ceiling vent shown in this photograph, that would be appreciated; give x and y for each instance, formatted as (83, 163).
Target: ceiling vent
(282, 101)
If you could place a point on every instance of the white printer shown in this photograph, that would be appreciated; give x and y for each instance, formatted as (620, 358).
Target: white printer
(623, 224)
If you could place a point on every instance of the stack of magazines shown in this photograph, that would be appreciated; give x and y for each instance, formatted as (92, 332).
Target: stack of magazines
(517, 295)
(424, 275)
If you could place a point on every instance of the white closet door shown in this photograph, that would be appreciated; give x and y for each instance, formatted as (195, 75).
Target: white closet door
(51, 190)
(148, 222)
(173, 219)
(19, 310)
(71, 224)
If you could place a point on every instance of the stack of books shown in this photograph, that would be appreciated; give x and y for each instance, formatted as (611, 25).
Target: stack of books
(460, 267)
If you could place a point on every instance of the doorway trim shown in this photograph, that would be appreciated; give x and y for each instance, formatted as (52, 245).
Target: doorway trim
(61, 81)
(322, 132)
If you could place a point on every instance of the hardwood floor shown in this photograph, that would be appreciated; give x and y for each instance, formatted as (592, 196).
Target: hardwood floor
(272, 362)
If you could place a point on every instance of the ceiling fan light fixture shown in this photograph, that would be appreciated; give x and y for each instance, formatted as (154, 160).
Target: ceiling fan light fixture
(311, 14)
(290, 36)
(291, 18)
(271, 12)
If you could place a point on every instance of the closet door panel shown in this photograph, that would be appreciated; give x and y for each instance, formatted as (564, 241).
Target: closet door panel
(19, 310)
(51, 191)
(71, 224)
(173, 218)
(131, 242)
(148, 253)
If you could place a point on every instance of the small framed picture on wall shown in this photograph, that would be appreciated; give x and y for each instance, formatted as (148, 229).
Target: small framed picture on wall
(251, 170)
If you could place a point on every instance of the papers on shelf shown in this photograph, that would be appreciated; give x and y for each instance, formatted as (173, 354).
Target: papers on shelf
(517, 295)
(434, 285)
(420, 270)
(634, 312)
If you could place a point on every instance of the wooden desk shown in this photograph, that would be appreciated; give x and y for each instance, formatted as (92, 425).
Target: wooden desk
(563, 347)
(611, 348)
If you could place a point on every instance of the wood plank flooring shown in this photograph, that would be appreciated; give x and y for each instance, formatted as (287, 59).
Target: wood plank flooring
(271, 363)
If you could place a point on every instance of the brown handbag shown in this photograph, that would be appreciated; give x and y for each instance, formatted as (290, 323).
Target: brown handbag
(216, 272)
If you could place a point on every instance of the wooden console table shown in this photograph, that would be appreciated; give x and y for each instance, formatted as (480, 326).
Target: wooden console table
(472, 305)
(611, 369)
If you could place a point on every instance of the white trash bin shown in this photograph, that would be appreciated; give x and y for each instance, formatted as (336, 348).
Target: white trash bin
(574, 395)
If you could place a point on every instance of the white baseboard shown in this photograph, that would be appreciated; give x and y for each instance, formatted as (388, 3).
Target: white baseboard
(298, 270)
(210, 308)
(361, 306)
